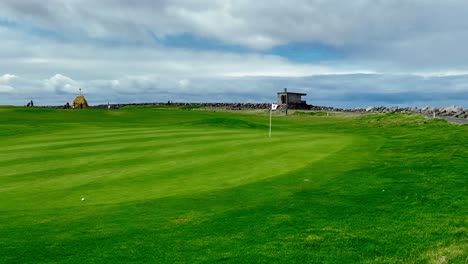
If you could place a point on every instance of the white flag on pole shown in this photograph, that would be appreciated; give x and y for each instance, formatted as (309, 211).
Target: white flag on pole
(273, 107)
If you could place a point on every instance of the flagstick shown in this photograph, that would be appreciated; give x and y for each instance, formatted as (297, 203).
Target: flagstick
(270, 122)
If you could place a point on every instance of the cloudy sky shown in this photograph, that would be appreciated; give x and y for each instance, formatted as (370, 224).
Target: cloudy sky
(341, 53)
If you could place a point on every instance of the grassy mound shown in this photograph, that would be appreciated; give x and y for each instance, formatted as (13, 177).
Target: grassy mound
(165, 185)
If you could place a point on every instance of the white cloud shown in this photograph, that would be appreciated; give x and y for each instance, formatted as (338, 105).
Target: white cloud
(6, 88)
(115, 83)
(184, 83)
(5, 79)
(62, 84)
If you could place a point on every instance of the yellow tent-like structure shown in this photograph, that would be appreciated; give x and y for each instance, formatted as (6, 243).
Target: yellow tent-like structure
(80, 102)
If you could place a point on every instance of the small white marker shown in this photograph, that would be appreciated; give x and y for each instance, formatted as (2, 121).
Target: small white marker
(82, 199)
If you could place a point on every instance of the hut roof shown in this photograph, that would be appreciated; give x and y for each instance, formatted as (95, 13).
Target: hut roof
(80, 99)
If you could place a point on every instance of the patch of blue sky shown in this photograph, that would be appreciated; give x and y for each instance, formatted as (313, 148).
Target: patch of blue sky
(190, 41)
(32, 30)
(299, 52)
(307, 52)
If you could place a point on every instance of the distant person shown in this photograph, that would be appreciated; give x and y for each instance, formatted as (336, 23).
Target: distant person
(32, 103)
(67, 105)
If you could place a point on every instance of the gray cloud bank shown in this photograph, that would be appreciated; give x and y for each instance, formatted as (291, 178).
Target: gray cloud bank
(412, 33)
(394, 52)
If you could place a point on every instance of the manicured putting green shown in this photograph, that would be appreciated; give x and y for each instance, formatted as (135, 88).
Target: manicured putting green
(121, 165)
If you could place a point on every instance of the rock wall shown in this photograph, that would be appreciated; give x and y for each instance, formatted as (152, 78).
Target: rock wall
(451, 111)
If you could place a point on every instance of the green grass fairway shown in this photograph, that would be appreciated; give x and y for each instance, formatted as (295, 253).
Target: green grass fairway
(174, 185)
